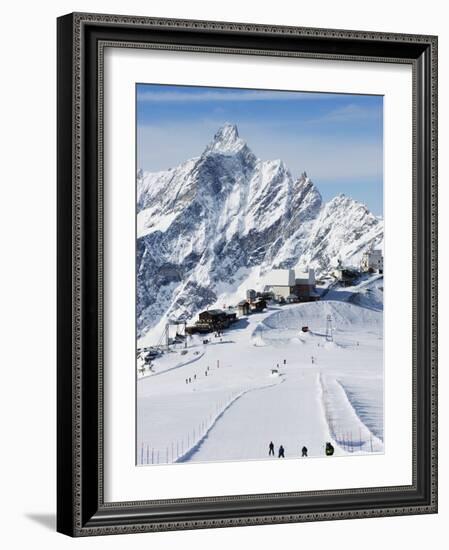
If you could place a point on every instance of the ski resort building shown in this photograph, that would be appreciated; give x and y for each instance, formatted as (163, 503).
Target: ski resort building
(251, 295)
(212, 320)
(288, 283)
(372, 262)
(345, 275)
(305, 285)
(243, 307)
(281, 282)
(217, 318)
(258, 305)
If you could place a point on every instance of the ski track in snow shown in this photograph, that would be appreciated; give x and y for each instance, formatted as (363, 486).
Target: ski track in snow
(197, 446)
(260, 417)
(346, 427)
(367, 404)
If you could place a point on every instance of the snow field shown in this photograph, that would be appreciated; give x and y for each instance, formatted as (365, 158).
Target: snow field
(272, 413)
(233, 406)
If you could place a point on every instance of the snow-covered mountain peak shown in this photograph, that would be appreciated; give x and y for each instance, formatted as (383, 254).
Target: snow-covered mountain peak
(304, 181)
(208, 225)
(275, 169)
(226, 141)
(344, 204)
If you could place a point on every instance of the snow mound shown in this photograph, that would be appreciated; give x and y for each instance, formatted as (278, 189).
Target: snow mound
(368, 292)
(286, 324)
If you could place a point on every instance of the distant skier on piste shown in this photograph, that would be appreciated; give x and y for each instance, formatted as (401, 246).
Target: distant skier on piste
(329, 449)
(271, 449)
(281, 452)
(304, 451)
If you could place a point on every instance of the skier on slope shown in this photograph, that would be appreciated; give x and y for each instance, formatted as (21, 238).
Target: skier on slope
(304, 451)
(329, 449)
(281, 452)
(271, 448)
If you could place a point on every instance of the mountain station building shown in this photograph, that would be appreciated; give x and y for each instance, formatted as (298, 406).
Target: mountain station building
(372, 262)
(285, 283)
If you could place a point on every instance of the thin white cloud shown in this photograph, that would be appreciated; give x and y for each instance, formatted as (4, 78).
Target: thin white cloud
(227, 96)
(349, 113)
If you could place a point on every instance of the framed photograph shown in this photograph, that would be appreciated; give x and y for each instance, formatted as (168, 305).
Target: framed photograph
(247, 278)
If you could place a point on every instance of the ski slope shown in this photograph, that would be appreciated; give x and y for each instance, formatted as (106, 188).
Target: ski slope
(260, 417)
(234, 405)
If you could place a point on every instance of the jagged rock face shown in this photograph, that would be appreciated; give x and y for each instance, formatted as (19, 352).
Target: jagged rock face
(228, 211)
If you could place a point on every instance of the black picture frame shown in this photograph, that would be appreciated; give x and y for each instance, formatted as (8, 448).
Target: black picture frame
(81, 510)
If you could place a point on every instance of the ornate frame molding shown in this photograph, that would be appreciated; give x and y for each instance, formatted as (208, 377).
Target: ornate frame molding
(82, 510)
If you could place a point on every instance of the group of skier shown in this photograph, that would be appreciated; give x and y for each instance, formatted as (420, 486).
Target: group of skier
(190, 379)
(281, 452)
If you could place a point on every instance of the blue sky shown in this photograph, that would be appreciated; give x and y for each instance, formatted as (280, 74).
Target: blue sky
(336, 138)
